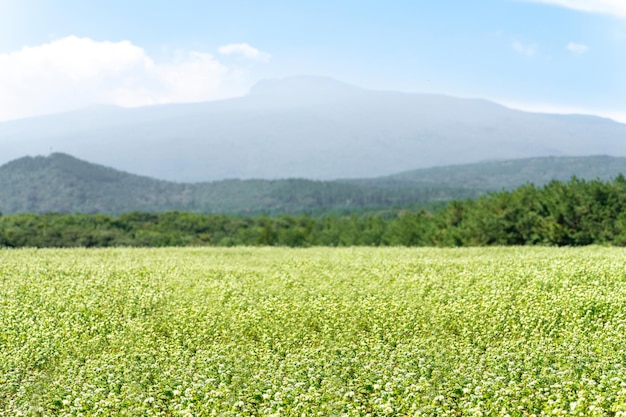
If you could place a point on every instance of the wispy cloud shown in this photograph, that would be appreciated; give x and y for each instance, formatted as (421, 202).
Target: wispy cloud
(577, 48)
(244, 50)
(75, 72)
(611, 7)
(526, 50)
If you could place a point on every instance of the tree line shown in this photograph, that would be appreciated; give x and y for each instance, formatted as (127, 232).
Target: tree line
(577, 212)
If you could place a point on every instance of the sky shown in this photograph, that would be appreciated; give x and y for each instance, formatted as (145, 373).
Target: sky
(563, 56)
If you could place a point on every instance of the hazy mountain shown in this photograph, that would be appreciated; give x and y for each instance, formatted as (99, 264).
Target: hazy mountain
(61, 183)
(307, 127)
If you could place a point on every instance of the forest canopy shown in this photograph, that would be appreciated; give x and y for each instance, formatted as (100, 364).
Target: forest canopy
(577, 212)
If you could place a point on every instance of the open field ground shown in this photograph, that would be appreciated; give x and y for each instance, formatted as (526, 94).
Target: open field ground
(267, 331)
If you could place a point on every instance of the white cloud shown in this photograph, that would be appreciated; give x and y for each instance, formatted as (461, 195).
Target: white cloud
(244, 50)
(73, 72)
(577, 48)
(612, 7)
(526, 50)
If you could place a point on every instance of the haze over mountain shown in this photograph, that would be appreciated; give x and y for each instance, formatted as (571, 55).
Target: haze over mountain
(307, 127)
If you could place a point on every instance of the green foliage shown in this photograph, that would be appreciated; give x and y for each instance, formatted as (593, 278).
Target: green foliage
(575, 213)
(274, 331)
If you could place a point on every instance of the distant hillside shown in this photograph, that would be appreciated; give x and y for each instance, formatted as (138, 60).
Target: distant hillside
(307, 127)
(498, 175)
(62, 183)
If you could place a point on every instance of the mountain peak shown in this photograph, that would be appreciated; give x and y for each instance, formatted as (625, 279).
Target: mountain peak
(308, 127)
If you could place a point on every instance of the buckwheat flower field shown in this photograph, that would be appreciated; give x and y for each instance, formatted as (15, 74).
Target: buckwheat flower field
(321, 331)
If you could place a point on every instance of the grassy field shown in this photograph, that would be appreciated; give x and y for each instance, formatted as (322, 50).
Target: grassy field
(327, 332)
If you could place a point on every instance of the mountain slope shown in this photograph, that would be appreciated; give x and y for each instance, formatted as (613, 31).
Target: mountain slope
(498, 175)
(308, 127)
(61, 183)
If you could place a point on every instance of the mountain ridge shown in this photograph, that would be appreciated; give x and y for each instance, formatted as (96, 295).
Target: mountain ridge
(63, 183)
(308, 128)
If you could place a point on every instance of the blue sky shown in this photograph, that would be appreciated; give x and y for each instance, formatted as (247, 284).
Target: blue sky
(545, 55)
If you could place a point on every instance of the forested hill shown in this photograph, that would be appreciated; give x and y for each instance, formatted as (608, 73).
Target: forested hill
(63, 184)
(509, 174)
(575, 213)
